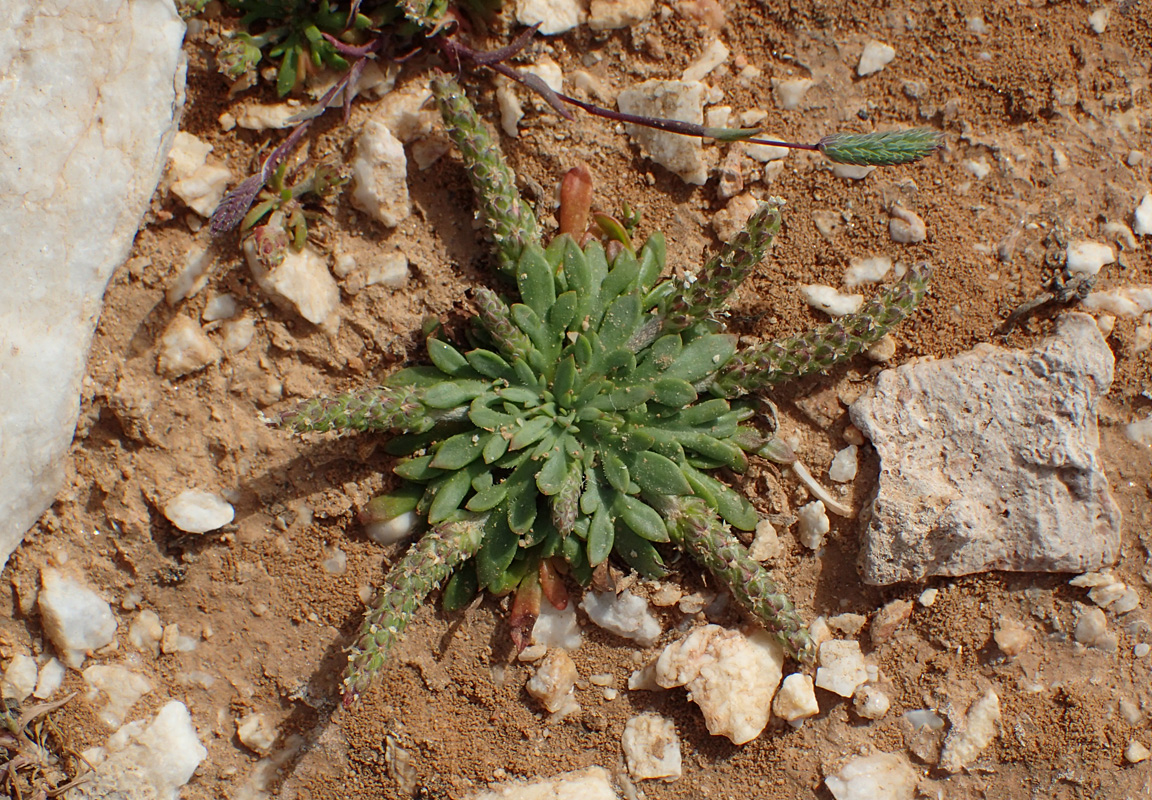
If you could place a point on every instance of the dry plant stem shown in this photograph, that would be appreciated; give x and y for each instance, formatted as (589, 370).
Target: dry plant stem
(696, 528)
(427, 564)
(785, 359)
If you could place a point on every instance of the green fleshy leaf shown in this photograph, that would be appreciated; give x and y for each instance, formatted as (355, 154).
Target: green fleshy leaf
(716, 449)
(462, 587)
(529, 321)
(497, 551)
(530, 432)
(620, 320)
(658, 475)
(488, 418)
(551, 476)
(487, 499)
(705, 413)
(564, 381)
(582, 351)
(449, 495)
(622, 278)
(624, 398)
(590, 498)
(459, 450)
(424, 376)
(452, 394)
(418, 469)
(701, 357)
(490, 365)
(561, 314)
(522, 511)
(732, 506)
(535, 281)
(519, 395)
(601, 535)
(644, 521)
(446, 357)
(616, 471)
(652, 257)
(496, 447)
(638, 553)
(674, 393)
(660, 356)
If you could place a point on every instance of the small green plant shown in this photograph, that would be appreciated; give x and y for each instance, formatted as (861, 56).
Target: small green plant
(586, 420)
(287, 210)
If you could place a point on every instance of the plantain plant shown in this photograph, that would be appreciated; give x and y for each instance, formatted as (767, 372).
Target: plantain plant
(586, 420)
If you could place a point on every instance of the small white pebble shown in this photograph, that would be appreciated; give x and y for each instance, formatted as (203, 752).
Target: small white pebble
(1141, 650)
(197, 511)
(20, 677)
(1136, 752)
(1140, 431)
(766, 544)
(849, 624)
(1092, 627)
(790, 93)
(796, 700)
(906, 227)
(866, 270)
(927, 597)
(1098, 19)
(1086, 258)
(880, 776)
(393, 530)
(1011, 637)
(1142, 217)
(977, 25)
(335, 561)
(965, 743)
(51, 676)
(554, 682)
(977, 169)
(842, 667)
(875, 57)
(256, 733)
(813, 524)
(831, 301)
(870, 702)
(853, 172)
(844, 465)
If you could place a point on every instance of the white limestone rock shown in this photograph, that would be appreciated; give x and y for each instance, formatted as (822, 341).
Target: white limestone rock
(796, 700)
(87, 108)
(557, 627)
(120, 685)
(813, 524)
(256, 733)
(623, 614)
(1142, 217)
(679, 100)
(906, 227)
(844, 465)
(607, 15)
(554, 683)
(301, 282)
(380, 175)
(830, 300)
(866, 270)
(1087, 258)
(145, 762)
(197, 511)
(590, 783)
(75, 618)
(875, 56)
(714, 54)
(882, 776)
(952, 498)
(731, 676)
(966, 741)
(146, 631)
(555, 16)
(19, 678)
(51, 677)
(651, 748)
(197, 183)
(257, 117)
(184, 348)
(842, 669)
(790, 91)
(870, 702)
(766, 544)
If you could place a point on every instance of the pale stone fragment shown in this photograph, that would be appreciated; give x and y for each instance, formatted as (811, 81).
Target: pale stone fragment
(380, 175)
(870, 702)
(301, 282)
(51, 677)
(790, 91)
(730, 220)
(257, 117)
(557, 627)
(196, 182)
(606, 15)
(591, 783)
(74, 617)
(1136, 752)
(766, 545)
(906, 227)
(676, 100)
(813, 524)
(730, 676)
(184, 348)
(623, 614)
(843, 469)
(888, 619)
(554, 683)
(882, 776)
(830, 300)
(1142, 217)
(651, 748)
(122, 686)
(1011, 637)
(1086, 258)
(146, 631)
(19, 678)
(256, 733)
(875, 57)
(796, 700)
(197, 511)
(555, 16)
(965, 742)
(866, 270)
(714, 54)
(842, 667)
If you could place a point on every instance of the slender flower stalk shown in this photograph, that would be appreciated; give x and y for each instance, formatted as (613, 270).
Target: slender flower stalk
(884, 149)
(427, 564)
(699, 531)
(386, 408)
(782, 360)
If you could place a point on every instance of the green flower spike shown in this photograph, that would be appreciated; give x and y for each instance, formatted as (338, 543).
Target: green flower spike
(586, 421)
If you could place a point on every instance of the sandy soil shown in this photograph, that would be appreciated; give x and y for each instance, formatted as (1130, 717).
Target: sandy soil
(1052, 107)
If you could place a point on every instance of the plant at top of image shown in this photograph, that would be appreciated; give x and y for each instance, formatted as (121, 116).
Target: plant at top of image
(587, 420)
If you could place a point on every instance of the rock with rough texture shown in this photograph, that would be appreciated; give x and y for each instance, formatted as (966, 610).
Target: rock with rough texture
(590, 783)
(1142, 216)
(19, 678)
(651, 748)
(606, 15)
(555, 16)
(796, 700)
(965, 742)
(301, 282)
(184, 348)
(883, 776)
(623, 614)
(842, 669)
(380, 175)
(875, 57)
(678, 100)
(732, 677)
(988, 461)
(1086, 258)
(197, 511)
(120, 685)
(198, 183)
(554, 682)
(74, 617)
(87, 115)
(144, 761)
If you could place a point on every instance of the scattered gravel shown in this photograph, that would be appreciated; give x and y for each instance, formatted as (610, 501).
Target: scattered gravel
(679, 100)
(906, 227)
(790, 92)
(870, 702)
(888, 620)
(122, 686)
(19, 678)
(590, 783)
(623, 614)
(1011, 636)
(866, 270)
(300, 283)
(380, 175)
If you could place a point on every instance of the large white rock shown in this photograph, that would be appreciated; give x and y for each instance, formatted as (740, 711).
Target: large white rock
(988, 461)
(145, 762)
(74, 617)
(678, 100)
(88, 95)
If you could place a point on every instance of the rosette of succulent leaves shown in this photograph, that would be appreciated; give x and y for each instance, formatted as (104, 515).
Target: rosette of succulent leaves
(586, 421)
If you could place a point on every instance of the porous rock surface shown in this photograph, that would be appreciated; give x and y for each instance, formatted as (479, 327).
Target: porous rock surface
(988, 462)
(89, 95)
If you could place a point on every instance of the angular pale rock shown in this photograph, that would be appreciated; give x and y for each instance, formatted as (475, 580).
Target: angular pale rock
(301, 282)
(199, 184)
(906, 227)
(870, 702)
(256, 117)
(184, 348)
(1142, 217)
(813, 524)
(844, 465)
(19, 678)
(651, 748)
(256, 733)
(842, 669)
(555, 16)
(965, 742)
(122, 686)
(790, 92)
(554, 682)
(888, 620)
(683, 155)
(557, 627)
(1086, 258)
(74, 617)
(591, 783)
(1011, 637)
(197, 511)
(51, 676)
(145, 762)
(606, 15)
(796, 700)
(87, 108)
(875, 57)
(866, 270)
(732, 677)
(623, 614)
(831, 301)
(988, 461)
(883, 776)
(715, 54)
(146, 631)
(380, 175)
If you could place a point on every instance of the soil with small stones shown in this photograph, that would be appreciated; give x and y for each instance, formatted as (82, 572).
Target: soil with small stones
(1054, 110)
